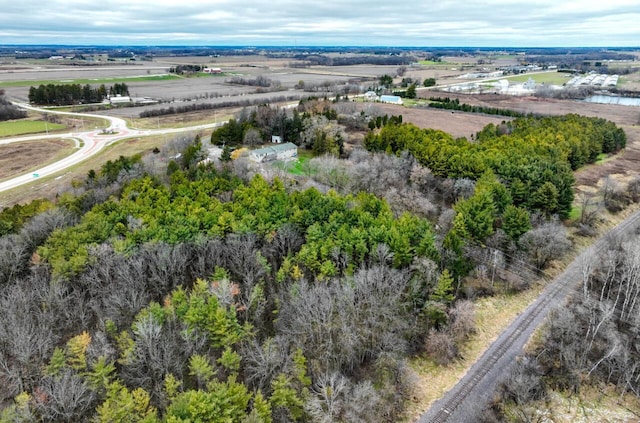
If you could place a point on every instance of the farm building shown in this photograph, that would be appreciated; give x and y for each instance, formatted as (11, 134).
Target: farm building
(393, 99)
(370, 96)
(286, 151)
(119, 99)
(212, 70)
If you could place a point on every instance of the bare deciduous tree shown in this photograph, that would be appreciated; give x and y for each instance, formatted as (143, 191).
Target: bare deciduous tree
(545, 243)
(64, 398)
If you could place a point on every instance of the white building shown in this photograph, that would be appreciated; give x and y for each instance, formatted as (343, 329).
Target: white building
(286, 151)
(119, 99)
(530, 84)
(370, 96)
(393, 99)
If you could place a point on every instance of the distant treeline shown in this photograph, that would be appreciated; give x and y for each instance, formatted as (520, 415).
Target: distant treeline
(69, 94)
(8, 111)
(321, 60)
(194, 107)
(181, 69)
(260, 81)
(449, 104)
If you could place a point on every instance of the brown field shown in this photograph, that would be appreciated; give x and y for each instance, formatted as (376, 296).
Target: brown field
(457, 124)
(19, 158)
(216, 89)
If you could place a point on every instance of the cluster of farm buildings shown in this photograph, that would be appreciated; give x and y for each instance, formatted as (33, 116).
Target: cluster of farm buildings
(594, 79)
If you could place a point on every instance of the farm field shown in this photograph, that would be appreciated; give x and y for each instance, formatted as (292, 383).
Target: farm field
(553, 78)
(19, 158)
(83, 81)
(149, 79)
(21, 127)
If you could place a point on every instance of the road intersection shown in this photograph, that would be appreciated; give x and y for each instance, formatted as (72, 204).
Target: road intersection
(90, 142)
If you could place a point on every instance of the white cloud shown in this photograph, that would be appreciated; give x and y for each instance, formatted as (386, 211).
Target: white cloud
(358, 22)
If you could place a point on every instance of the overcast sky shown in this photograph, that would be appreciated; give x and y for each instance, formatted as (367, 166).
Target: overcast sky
(505, 23)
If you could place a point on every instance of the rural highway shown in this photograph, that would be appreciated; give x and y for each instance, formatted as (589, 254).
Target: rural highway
(466, 401)
(90, 142)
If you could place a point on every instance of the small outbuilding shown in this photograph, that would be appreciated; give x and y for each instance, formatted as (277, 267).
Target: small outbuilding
(119, 99)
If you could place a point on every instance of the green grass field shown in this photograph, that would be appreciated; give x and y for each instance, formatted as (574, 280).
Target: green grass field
(84, 81)
(298, 167)
(554, 78)
(433, 63)
(19, 127)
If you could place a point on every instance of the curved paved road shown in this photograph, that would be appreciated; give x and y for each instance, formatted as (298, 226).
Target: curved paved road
(466, 401)
(91, 142)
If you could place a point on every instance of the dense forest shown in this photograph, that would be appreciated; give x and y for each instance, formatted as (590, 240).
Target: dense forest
(211, 299)
(533, 157)
(166, 289)
(69, 94)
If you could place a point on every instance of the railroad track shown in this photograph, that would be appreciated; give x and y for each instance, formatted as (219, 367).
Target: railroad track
(467, 399)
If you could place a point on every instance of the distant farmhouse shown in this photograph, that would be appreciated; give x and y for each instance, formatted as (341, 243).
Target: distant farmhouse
(370, 96)
(286, 151)
(212, 70)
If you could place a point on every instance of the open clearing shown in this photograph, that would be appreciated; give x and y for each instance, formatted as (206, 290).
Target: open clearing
(553, 78)
(21, 127)
(458, 124)
(20, 158)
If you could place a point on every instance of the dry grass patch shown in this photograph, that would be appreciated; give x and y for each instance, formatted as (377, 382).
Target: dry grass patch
(183, 120)
(19, 158)
(493, 315)
(50, 186)
(592, 404)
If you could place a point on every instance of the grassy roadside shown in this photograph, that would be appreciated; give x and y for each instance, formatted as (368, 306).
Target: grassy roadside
(67, 148)
(21, 127)
(50, 186)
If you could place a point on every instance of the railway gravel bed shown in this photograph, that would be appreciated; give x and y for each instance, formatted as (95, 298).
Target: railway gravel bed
(466, 401)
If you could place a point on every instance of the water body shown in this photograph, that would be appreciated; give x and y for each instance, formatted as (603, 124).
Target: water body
(613, 99)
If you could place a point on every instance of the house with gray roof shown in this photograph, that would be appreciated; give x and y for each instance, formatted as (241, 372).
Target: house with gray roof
(286, 151)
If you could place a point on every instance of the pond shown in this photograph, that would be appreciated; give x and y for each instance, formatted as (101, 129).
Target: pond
(614, 99)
